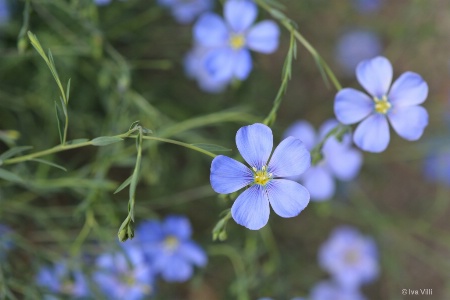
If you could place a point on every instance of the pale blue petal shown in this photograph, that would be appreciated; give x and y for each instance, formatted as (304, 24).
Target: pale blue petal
(177, 226)
(303, 131)
(287, 198)
(255, 143)
(211, 31)
(290, 158)
(409, 89)
(193, 253)
(177, 270)
(409, 122)
(240, 14)
(372, 134)
(319, 183)
(375, 75)
(149, 231)
(219, 64)
(229, 175)
(344, 163)
(351, 106)
(242, 64)
(263, 37)
(251, 209)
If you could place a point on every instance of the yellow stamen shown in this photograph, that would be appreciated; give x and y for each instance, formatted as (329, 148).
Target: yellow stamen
(382, 105)
(171, 242)
(237, 41)
(261, 177)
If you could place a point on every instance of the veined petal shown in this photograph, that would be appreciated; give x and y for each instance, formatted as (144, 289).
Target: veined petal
(319, 183)
(210, 31)
(251, 209)
(303, 131)
(345, 163)
(287, 198)
(375, 75)
(409, 89)
(351, 106)
(263, 37)
(242, 64)
(219, 64)
(290, 158)
(229, 175)
(255, 144)
(240, 14)
(372, 134)
(409, 122)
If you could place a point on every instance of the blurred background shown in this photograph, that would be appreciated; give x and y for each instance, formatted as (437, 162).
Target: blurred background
(125, 60)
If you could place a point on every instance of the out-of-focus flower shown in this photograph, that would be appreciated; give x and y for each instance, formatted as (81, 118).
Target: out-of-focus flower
(185, 11)
(399, 104)
(103, 2)
(340, 160)
(327, 290)
(230, 40)
(264, 178)
(355, 46)
(4, 12)
(6, 242)
(62, 280)
(437, 167)
(367, 6)
(351, 258)
(124, 275)
(169, 247)
(195, 68)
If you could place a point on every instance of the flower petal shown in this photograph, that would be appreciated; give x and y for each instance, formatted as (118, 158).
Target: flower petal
(242, 64)
(290, 158)
(303, 131)
(409, 122)
(229, 175)
(319, 183)
(177, 226)
(219, 64)
(193, 253)
(251, 208)
(177, 270)
(375, 75)
(255, 144)
(287, 198)
(345, 163)
(351, 106)
(240, 14)
(210, 31)
(408, 89)
(263, 37)
(372, 134)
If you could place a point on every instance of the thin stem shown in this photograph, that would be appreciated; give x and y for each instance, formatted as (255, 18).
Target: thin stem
(179, 144)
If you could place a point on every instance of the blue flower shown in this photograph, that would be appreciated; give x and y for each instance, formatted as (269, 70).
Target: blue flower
(437, 167)
(103, 2)
(326, 290)
(62, 280)
(355, 46)
(399, 104)
(186, 11)
(367, 6)
(124, 275)
(6, 241)
(351, 258)
(4, 12)
(169, 248)
(231, 39)
(264, 178)
(340, 160)
(194, 65)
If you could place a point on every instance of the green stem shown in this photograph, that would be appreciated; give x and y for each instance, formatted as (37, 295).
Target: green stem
(179, 144)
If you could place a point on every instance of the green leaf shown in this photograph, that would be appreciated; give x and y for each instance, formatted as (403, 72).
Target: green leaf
(124, 184)
(105, 140)
(9, 176)
(211, 147)
(77, 141)
(68, 90)
(60, 130)
(13, 151)
(43, 161)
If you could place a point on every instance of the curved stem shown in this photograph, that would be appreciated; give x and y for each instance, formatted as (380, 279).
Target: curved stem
(179, 144)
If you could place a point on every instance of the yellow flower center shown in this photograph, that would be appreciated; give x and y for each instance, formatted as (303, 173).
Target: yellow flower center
(171, 242)
(261, 177)
(382, 105)
(237, 41)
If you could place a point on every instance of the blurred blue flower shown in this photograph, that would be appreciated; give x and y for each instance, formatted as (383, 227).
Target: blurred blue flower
(124, 275)
(6, 242)
(399, 105)
(4, 12)
(351, 258)
(437, 167)
(264, 178)
(194, 66)
(340, 160)
(367, 6)
(102, 2)
(355, 46)
(62, 280)
(327, 290)
(169, 248)
(185, 11)
(231, 39)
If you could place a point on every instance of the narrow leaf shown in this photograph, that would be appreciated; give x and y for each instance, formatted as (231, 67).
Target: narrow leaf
(77, 141)
(68, 90)
(105, 140)
(49, 163)
(124, 184)
(9, 176)
(13, 151)
(57, 110)
(211, 147)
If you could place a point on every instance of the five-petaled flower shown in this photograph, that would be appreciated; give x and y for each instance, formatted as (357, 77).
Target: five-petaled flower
(399, 104)
(264, 178)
